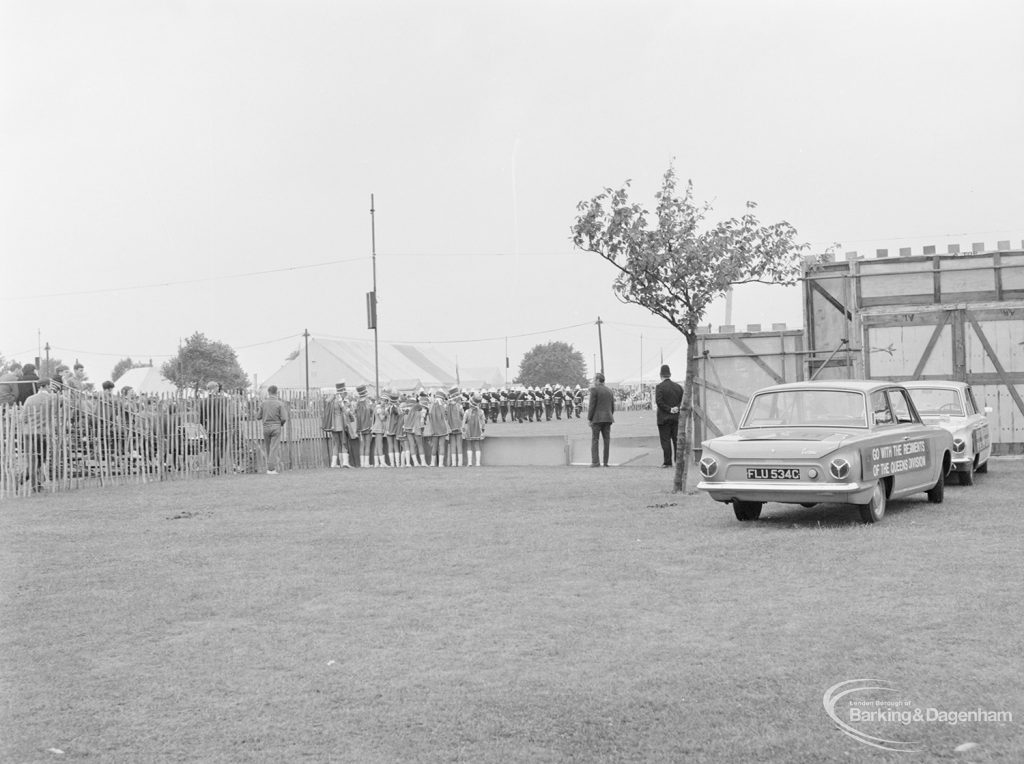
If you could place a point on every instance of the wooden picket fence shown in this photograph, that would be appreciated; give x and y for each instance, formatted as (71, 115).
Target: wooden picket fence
(81, 439)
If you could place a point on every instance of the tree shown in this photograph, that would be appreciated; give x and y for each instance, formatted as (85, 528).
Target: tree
(200, 361)
(48, 368)
(122, 366)
(6, 364)
(675, 269)
(555, 362)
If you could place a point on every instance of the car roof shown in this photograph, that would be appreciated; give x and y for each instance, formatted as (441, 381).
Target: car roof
(943, 383)
(854, 385)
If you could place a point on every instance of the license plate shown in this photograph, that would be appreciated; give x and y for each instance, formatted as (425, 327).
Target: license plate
(773, 473)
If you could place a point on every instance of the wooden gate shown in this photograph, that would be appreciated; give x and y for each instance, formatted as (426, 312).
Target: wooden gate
(981, 345)
(733, 365)
(832, 322)
(934, 316)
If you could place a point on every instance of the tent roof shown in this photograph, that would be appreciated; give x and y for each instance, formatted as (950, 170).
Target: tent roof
(652, 375)
(145, 379)
(352, 362)
(477, 377)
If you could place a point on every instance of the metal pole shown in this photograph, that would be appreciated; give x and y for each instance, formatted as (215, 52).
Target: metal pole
(305, 334)
(373, 244)
(844, 342)
(600, 343)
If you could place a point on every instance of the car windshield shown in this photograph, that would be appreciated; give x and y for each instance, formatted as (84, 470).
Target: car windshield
(806, 408)
(937, 401)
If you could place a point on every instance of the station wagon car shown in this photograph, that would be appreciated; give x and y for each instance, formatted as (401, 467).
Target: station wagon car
(951, 406)
(845, 441)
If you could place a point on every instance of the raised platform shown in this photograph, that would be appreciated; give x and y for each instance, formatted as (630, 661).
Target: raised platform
(564, 450)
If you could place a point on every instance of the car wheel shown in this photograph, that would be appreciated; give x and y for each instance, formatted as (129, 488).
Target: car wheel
(808, 504)
(982, 468)
(874, 510)
(935, 495)
(966, 477)
(747, 510)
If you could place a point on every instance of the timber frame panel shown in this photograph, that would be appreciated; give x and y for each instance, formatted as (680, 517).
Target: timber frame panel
(930, 317)
(732, 366)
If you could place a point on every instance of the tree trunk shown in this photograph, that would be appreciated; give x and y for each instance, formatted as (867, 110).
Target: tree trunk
(684, 448)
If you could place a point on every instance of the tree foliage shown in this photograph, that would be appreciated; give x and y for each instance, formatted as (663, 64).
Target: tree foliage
(6, 364)
(677, 266)
(48, 368)
(200, 361)
(551, 363)
(122, 366)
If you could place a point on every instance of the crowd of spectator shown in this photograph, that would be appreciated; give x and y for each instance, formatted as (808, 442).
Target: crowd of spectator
(59, 429)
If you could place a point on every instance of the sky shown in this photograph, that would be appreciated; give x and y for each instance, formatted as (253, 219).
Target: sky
(177, 167)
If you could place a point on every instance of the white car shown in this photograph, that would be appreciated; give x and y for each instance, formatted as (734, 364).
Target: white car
(951, 406)
(837, 441)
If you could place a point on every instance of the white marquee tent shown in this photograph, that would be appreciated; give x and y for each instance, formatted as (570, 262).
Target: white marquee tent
(406, 367)
(145, 380)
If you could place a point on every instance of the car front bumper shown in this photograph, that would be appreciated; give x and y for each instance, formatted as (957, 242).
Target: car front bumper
(963, 463)
(799, 493)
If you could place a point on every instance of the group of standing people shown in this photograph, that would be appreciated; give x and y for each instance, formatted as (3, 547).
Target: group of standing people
(20, 382)
(668, 398)
(445, 428)
(394, 429)
(533, 403)
(401, 430)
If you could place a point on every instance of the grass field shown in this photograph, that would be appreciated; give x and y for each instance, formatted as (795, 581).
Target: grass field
(497, 614)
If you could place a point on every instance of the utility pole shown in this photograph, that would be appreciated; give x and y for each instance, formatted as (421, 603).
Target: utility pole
(305, 333)
(600, 343)
(506, 361)
(372, 299)
(47, 367)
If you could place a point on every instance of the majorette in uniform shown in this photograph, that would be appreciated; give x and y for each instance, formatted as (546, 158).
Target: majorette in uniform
(435, 431)
(393, 427)
(473, 423)
(364, 421)
(453, 416)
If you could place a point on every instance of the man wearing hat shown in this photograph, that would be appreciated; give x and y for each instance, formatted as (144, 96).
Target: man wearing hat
(558, 397)
(668, 397)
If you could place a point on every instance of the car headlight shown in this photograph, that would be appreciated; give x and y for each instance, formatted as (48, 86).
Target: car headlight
(959, 445)
(708, 467)
(839, 468)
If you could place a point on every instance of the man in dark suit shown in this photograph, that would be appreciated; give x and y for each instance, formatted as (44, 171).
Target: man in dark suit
(600, 414)
(668, 397)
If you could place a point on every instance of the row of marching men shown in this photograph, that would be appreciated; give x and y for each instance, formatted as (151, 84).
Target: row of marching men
(404, 430)
(534, 404)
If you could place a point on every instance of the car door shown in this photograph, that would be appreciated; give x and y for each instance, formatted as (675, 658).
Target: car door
(912, 464)
(981, 437)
